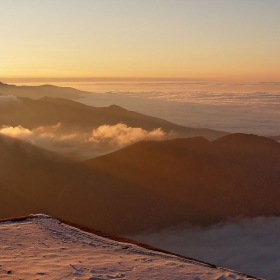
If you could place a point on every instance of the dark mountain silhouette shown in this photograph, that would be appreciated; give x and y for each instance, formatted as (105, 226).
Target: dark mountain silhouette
(75, 116)
(236, 175)
(36, 92)
(146, 186)
(27, 176)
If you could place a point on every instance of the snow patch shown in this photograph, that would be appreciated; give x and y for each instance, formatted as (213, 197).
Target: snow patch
(45, 247)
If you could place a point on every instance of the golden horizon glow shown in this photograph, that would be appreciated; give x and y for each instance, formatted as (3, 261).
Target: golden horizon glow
(214, 40)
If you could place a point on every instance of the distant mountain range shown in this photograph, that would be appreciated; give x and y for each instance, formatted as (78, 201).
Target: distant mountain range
(36, 92)
(145, 186)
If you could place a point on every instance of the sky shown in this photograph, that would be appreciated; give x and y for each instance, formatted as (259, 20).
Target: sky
(201, 39)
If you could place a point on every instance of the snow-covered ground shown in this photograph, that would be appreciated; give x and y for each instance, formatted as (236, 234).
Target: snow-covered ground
(45, 248)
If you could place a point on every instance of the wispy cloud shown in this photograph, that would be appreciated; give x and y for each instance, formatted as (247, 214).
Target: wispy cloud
(80, 145)
(8, 100)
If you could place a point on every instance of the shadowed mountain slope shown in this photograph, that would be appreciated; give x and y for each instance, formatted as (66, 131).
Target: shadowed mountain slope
(237, 175)
(146, 186)
(75, 116)
(28, 177)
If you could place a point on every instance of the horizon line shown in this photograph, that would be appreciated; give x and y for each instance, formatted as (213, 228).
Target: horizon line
(126, 79)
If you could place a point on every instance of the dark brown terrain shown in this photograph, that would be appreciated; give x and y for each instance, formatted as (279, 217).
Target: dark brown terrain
(146, 186)
(29, 177)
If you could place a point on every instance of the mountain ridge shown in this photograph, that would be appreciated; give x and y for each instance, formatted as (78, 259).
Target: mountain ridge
(75, 116)
(36, 92)
(57, 243)
(193, 181)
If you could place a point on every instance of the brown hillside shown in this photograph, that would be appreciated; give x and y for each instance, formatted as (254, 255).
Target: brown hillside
(75, 116)
(237, 175)
(148, 185)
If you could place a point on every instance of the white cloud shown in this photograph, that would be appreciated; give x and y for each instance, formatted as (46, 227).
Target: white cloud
(121, 134)
(248, 245)
(8, 100)
(80, 145)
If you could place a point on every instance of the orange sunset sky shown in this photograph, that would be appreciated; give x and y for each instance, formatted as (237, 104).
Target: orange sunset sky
(202, 39)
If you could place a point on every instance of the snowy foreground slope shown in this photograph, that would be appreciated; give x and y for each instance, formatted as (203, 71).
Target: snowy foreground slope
(41, 247)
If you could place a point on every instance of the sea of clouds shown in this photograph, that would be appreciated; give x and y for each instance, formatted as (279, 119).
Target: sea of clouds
(251, 246)
(249, 112)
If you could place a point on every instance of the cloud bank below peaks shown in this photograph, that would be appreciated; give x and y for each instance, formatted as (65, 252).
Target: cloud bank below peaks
(247, 245)
(8, 100)
(82, 145)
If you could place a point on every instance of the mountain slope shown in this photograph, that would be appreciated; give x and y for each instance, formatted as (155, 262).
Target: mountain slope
(66, 252)
(147, 186)
(27, 176)
(237, 175)
(75, 116)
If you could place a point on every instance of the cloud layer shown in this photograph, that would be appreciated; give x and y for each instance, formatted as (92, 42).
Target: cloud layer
(248, 245)
(250, 112)
(81, 145)
(8, 100)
